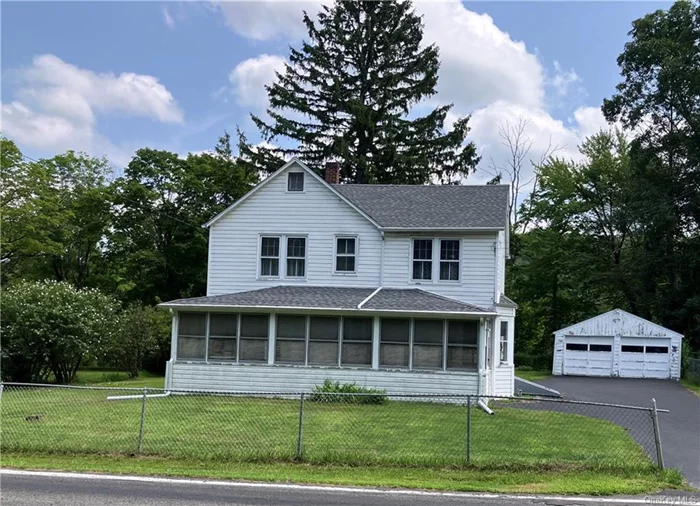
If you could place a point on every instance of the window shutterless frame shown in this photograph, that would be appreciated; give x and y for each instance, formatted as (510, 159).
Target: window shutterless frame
(440, 260)
(295, 182)
(269, 254)
(295, 257)
(345, 254)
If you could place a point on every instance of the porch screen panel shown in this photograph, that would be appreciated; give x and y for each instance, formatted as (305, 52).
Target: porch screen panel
(290, 343)
(223, 332)
(357, 341)
(192, 336)
(254, 330)
(462, 350)
(394, 341)
(323, 340)
(427, 344)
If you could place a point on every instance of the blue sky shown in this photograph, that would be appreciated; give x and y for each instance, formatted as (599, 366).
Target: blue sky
(110, 77)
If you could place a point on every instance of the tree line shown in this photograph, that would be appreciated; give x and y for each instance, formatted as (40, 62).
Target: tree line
(618, 228)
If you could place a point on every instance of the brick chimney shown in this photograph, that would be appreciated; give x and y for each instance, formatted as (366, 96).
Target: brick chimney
(332, 173)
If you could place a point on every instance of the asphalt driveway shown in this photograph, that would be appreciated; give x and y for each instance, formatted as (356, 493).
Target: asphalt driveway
(680, 429)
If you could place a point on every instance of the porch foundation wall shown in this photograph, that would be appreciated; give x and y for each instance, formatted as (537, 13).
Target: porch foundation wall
(262, 378)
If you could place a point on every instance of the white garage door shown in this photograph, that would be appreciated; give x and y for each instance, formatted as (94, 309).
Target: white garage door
(645, 358)
(588, 356)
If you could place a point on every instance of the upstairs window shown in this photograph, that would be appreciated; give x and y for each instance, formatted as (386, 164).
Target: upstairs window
(449, 259)
(270, 256)
(295, 182)
(296, 257)
(345, 254)
(422, 259)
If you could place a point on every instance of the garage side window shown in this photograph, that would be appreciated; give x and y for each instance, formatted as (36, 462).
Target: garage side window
(192, 336)
(576, 347)
(600, 347)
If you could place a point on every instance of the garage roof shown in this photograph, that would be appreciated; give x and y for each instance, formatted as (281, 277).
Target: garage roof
(617, 321)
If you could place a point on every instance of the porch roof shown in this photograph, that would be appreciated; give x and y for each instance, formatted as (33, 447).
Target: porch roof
(409, 300)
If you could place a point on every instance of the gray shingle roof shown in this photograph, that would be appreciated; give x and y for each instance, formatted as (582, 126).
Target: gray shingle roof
(434, 206)
(318, 297)
(415, 299)
(507, 302)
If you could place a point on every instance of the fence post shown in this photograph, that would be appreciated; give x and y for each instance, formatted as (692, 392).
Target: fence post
(469, 428)
(301, 425)
(143, 419)
(657, 435)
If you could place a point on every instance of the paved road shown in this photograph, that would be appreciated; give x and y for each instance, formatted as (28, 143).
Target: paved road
(76, 490)
(680, 429)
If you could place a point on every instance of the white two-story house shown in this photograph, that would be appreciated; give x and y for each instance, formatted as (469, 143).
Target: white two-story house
(392, 287)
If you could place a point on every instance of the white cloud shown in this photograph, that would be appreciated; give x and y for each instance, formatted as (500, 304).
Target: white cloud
(267, 19)
(169, 20)
(564, 80)
(56, 105)
(128, 93)
(479, 62)
(250, 77)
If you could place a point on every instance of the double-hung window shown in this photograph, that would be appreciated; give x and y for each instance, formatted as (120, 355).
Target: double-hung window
(357, 341)
(296, 257)
(427, 344)
(449, 259)
(394, 342)
(254, 331)
(462, 351)
(504, 342)
(323, 340)
(290, 344)
(192, 336)
(422, 259)
(223, 333)
(345, 254)
(270, 256)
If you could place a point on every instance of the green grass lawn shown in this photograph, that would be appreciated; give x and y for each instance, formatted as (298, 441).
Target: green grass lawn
(691, 385)
(544, 481)
(244, 429)
(106, 377)
(530, 375)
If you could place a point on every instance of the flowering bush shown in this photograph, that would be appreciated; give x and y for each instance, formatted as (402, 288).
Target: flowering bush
(51, 328)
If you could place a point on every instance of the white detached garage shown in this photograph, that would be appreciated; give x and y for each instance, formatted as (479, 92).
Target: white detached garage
(617, 343)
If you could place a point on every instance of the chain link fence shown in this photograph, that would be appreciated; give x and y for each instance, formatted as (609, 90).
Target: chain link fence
(327, 428)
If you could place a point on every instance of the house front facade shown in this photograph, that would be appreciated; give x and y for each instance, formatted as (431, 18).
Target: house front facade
(394, 287)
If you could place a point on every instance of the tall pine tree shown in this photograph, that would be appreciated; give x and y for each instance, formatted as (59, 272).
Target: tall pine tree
(348, 94)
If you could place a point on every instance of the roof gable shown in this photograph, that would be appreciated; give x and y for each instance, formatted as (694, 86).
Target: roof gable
(294, 161)
(631, 320)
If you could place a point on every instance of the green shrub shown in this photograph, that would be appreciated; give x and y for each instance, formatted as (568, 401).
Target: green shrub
(51, 328)
(351, 393)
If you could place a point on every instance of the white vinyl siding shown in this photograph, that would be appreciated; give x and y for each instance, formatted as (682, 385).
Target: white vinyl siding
(292, 379)
(477, 268)
(317, 214)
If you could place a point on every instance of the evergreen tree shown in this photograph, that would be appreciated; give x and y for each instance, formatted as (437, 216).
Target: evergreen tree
(348, 95)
